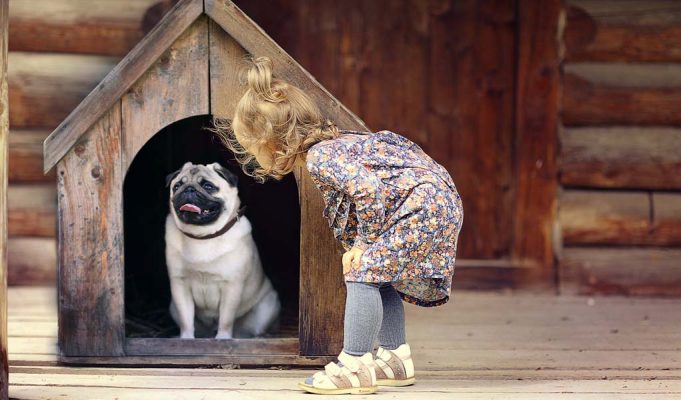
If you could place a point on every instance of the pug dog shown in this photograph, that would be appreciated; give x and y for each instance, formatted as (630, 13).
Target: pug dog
(217, 283)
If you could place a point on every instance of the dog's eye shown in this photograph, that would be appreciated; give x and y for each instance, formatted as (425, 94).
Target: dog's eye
(208, 186)
(176, 186)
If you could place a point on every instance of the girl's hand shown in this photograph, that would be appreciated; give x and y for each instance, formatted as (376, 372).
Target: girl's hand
(351, 259)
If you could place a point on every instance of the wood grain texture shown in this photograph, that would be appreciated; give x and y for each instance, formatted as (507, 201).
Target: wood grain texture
(667, 218)
(538, 81)
(606, 217)
(627, 271)
(42, 97)
(621, 157)
(90, 192)
(322, 289)
(32, 261)
(227, 62)
(206, 347)
(256, 41)
(26, 157)
(174, 88)
(119, 80)
(470, 120)
(644, 30)
(4, 140)
(593, 103)
(102, 27)
(32, 210)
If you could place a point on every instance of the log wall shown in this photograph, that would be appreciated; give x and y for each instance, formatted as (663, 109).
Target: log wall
(58, 51)
(620, 163)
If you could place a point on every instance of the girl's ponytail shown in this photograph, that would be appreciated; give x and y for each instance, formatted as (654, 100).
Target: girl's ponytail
(259, 78)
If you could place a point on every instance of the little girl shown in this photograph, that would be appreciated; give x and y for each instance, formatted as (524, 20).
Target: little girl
(396, 212)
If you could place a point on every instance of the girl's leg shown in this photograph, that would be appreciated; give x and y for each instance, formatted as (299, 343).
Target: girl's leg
(363, 316)
(391, 335)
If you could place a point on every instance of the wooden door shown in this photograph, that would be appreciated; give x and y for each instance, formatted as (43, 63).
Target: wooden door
(474, 82)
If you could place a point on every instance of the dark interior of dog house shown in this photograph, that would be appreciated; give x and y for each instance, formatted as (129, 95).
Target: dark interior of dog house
(272, 208)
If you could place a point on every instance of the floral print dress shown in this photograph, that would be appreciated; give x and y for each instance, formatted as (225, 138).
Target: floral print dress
(384, 194)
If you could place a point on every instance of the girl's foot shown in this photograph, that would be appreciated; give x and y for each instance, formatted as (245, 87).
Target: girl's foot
(351, 375)
(394, 367)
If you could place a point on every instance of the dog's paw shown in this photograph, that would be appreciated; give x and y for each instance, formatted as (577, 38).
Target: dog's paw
(187, 335)
(223, 335)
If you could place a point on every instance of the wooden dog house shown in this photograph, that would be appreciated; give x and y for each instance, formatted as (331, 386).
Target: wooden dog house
(186, 69)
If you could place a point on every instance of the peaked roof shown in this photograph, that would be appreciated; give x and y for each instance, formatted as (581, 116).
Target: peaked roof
(223, 12)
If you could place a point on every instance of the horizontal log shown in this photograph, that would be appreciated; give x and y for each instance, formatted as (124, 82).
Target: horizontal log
(594, 103)
(31, 210)
(604, 217)
(627, 75)
(626, 271)
(45, 88)
(667, 217)
(646, 30)
(620, 218)
(88, 27)
(31, 261)
(621, 157)
(26, 157)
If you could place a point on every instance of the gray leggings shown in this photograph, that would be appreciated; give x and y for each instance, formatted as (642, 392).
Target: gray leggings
(372, 311)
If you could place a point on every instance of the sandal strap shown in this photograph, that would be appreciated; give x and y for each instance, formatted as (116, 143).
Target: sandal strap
(390, 364)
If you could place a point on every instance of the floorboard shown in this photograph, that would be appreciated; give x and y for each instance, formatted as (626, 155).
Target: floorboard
(479, 346)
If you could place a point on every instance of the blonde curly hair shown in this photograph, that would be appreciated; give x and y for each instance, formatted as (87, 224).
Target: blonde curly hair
(275, 119)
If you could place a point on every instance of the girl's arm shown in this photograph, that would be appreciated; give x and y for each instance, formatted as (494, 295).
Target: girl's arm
(336, 166)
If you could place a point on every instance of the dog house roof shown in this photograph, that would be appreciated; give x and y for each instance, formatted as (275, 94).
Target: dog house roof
(233, 21)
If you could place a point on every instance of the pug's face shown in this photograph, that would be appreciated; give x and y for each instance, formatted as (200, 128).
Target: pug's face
(200, 194)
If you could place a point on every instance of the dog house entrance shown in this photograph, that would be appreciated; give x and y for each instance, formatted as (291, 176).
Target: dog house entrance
(272, 208)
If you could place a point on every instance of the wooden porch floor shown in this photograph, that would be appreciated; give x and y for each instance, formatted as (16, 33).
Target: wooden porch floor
(479, 346)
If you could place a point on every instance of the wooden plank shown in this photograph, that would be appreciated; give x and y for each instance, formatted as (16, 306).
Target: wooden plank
(605, 217)
(621, 271)
(90, 238)
(42, 97)
(226, 64)
(102, 27)
(600, 30)
(4, 139)
(256, 41)
(32, 210)
(620, 218)
(667, 218)
(32, 261)
(174, 88)
(470, 121)
(621, 157)
(538, 82)
(455, 387)
(322, 292)
(119, 80)
(206, 347)
(593, 103)
(26, 157)
(627, 75)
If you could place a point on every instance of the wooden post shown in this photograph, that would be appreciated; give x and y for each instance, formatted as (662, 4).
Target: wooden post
(538, 79)
(4, 132)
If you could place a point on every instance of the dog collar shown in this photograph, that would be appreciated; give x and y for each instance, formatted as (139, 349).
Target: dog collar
(224, 229)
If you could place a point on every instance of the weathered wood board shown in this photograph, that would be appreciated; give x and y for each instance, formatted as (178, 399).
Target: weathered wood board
(4, 140)
(26, 157)
(90, 252)
(174, 88)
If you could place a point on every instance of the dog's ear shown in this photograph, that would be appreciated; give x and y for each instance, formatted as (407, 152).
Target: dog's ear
(226, 174)
(171, 176)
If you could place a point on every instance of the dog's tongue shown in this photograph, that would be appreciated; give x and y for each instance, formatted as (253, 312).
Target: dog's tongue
(190, 208)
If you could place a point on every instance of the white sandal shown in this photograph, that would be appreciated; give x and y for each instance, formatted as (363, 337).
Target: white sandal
(352, 375)
(394, 367)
